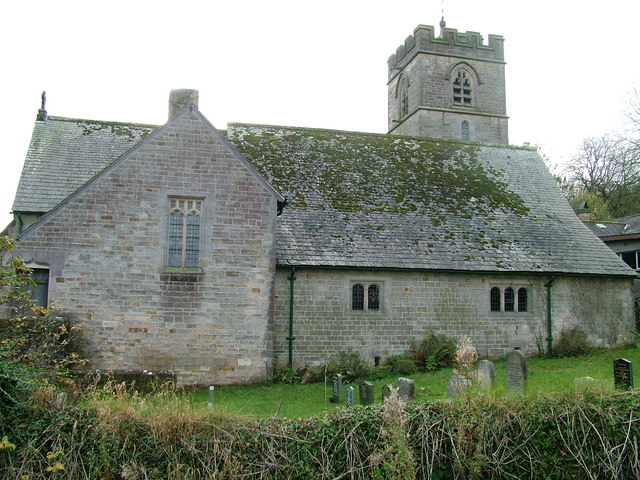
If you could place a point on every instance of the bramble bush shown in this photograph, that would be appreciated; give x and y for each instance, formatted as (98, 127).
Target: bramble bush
(41, 337)
(572, 343)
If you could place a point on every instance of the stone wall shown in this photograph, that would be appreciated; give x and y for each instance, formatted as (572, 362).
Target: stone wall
(106, 249)
(453, 304)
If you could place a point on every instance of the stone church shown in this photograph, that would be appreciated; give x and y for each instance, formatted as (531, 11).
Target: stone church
(217, 254)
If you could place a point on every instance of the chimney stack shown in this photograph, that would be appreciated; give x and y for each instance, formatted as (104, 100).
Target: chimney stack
(180, 99)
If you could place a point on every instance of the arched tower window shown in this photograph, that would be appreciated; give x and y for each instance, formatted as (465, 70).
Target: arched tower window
(464, 134)
(462, 88)
(403, 98)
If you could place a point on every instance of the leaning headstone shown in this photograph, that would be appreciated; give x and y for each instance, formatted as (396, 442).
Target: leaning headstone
(350, 395)
(366, 393)
(457, 385)
(337, 388)
(623, 373)
(486, 374)
(516, 371)
(406, 389)
(386, 391)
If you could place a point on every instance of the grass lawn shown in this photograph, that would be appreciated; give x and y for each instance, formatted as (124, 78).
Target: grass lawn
(292, 401)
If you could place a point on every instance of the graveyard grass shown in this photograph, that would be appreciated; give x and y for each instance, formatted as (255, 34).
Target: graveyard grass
(545, 376)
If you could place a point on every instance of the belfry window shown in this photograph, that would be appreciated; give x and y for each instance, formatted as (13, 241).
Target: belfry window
(184, 232)
(462, 88)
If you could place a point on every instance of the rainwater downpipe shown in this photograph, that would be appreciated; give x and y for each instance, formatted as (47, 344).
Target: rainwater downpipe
(291, 338)
(549, 286)
(20, 222)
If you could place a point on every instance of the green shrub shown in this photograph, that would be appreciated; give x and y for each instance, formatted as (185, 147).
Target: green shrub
(572, 343)
(401, 365)
(434, 351)
(350, 364)
(286, 375)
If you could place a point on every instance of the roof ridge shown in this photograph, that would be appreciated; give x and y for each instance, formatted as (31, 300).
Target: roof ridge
(380, 135)
(104, 122)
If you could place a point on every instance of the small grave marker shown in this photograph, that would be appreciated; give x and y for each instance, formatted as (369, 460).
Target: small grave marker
(623, 373)
(406, 389)
(386, 391)
(457, 385)
(350, 396)
(337, 388)
(366, 393)
(211, 403)
(516, 371)
(486, 374)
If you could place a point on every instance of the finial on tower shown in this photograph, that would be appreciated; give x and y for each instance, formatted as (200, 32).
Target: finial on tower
(42, 113)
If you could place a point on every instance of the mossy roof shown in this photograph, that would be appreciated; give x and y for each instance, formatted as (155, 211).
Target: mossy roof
(383, 201)
(64, 153)
(364, 200)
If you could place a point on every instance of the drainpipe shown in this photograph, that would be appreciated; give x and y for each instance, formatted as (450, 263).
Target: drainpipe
(291, 338)
(549, 284)
(20, 222)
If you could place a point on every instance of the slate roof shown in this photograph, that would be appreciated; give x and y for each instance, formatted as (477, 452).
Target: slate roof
(365, 200)
(620, 227)
(384, 201)
(64, 153)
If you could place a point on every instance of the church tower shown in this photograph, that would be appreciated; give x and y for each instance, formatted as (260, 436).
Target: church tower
(448, 86)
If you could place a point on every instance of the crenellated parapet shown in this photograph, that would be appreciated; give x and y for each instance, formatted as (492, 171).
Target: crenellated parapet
(450, 43)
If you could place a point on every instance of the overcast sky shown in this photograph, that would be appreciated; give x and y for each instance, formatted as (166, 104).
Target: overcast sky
(570, 65)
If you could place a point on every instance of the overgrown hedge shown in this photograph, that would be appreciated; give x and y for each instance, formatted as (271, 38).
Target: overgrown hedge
(578, 436)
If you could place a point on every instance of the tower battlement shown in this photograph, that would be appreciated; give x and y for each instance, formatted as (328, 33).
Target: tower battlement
(451, 43)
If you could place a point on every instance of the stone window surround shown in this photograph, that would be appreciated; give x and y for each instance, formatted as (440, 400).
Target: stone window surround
(516, 298)
(366, 284)
(197, 207)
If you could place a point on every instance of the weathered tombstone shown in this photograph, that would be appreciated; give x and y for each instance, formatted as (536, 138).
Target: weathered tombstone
(486, 374)
(386, 391)
(366, 393)
(350, 395)
(457, 385)
(406, 389)
(516, 371)
(61, 400)
(584, 382)
(623, 373)
(337, 388)
(211, 403)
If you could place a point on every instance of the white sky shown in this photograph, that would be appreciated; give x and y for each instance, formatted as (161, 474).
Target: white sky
(570, 65)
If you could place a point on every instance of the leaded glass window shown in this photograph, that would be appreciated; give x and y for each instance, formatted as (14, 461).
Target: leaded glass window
(373, 297)
(522, 299)
(509, 299)
(184, 232)
(495, 299)
(357, 297)
(464, 131)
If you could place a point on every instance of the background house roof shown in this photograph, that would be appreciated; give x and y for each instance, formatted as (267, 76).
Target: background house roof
(620, 227)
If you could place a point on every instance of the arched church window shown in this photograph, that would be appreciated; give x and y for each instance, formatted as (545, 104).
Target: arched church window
(509, 299)
(464, 134)
(462, 88)
(494, 299)
(184, 232)
(404, 98)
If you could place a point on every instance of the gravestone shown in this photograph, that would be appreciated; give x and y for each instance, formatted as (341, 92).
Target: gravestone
(406, 389)
(350, 395)
(366, 393)
(585, 382)
(61, 400)
(337, 388)
(386, 391)
(457, 385)
(486, 374)
(623, 373)
(516, 371)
